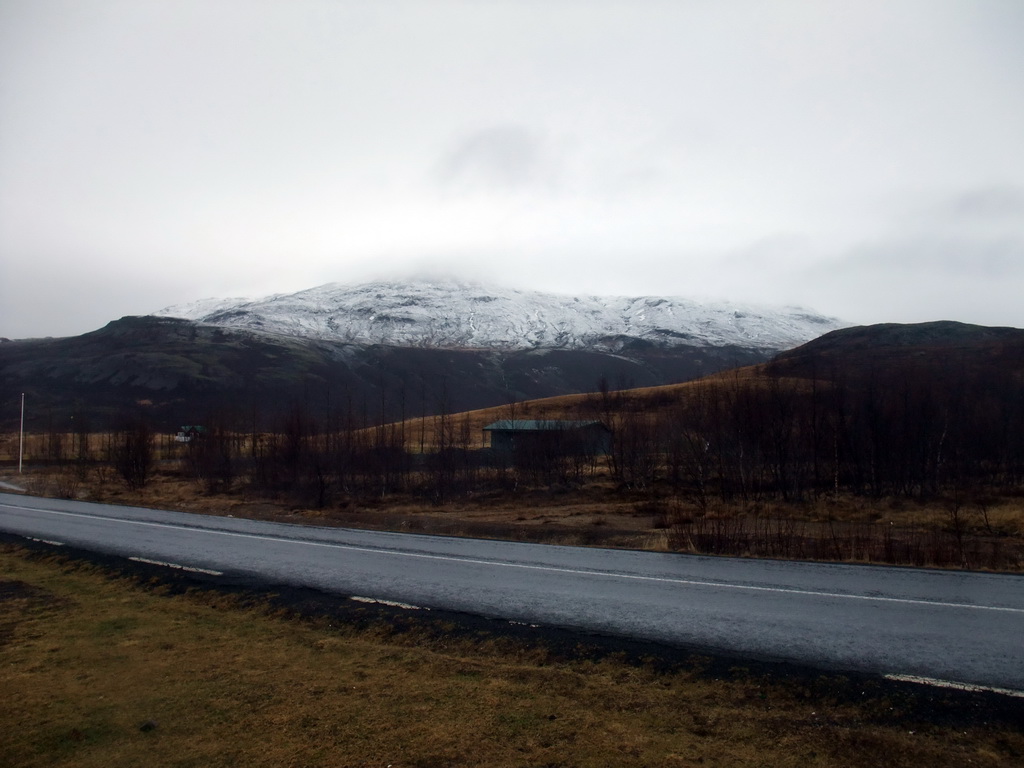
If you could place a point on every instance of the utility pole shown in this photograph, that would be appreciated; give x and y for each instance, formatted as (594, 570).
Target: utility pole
(21, 439)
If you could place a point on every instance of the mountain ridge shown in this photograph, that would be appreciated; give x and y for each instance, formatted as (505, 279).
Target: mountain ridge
(179, 372)
(429, 346)
(453, 314)
(942, 348)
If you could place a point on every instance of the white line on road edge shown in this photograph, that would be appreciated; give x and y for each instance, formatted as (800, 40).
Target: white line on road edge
(46, 541)
(188, 568)
(524, 566)
(390, 603)
(955, 686)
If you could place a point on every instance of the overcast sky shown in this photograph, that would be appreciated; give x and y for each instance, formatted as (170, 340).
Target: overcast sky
(864, 159)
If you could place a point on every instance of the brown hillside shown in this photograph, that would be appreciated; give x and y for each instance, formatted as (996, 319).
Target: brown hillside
(591, 405)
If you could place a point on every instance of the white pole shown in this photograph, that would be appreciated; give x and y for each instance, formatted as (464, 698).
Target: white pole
(21, 440)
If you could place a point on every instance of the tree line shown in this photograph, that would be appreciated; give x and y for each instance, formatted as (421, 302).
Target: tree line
(915, 430)
(910, 430)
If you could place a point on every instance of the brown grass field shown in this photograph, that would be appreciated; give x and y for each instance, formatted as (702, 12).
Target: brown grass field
(582, 406)
(102, 669)
(847, 529)
(597, 513)
(984, 533)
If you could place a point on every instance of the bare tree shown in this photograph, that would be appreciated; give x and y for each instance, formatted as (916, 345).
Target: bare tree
(132, 452)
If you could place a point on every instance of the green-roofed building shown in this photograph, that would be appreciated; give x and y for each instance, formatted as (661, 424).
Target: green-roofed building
(565, 437)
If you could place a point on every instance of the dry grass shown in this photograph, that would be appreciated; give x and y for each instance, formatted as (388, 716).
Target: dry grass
(98, 672)
(853, 529)
(598, 513)
(580, 406)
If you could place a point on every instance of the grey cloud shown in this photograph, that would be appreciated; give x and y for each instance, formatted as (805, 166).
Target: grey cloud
(501, 157)
(996, 202)
(978, 212)
(952, 257)
(919, 279)
(653, 147)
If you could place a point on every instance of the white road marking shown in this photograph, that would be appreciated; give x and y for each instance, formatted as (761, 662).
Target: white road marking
(524, 566)
(955, 686)
(391, 603)
(176, 566)
(46, 541)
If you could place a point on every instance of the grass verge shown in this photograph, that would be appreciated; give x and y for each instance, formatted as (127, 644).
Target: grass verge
(99, 669)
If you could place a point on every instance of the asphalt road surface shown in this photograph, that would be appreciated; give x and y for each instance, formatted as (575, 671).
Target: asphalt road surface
(945, 625)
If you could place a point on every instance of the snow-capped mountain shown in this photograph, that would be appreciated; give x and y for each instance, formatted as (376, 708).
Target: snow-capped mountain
(448, 314)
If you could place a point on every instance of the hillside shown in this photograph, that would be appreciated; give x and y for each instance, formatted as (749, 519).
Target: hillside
(899, 444)
(183, 372)
(449, 314)
(929, 354)
(873, 349)
(378, 352)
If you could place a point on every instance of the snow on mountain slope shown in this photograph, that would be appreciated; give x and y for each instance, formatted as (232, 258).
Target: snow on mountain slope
(468, 315)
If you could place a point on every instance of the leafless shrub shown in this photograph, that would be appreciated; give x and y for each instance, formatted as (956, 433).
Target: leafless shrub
(132, 452)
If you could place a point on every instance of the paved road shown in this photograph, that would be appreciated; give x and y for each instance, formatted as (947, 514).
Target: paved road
(962, 627)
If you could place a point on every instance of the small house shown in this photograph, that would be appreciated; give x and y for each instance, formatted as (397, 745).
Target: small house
(566, 438)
